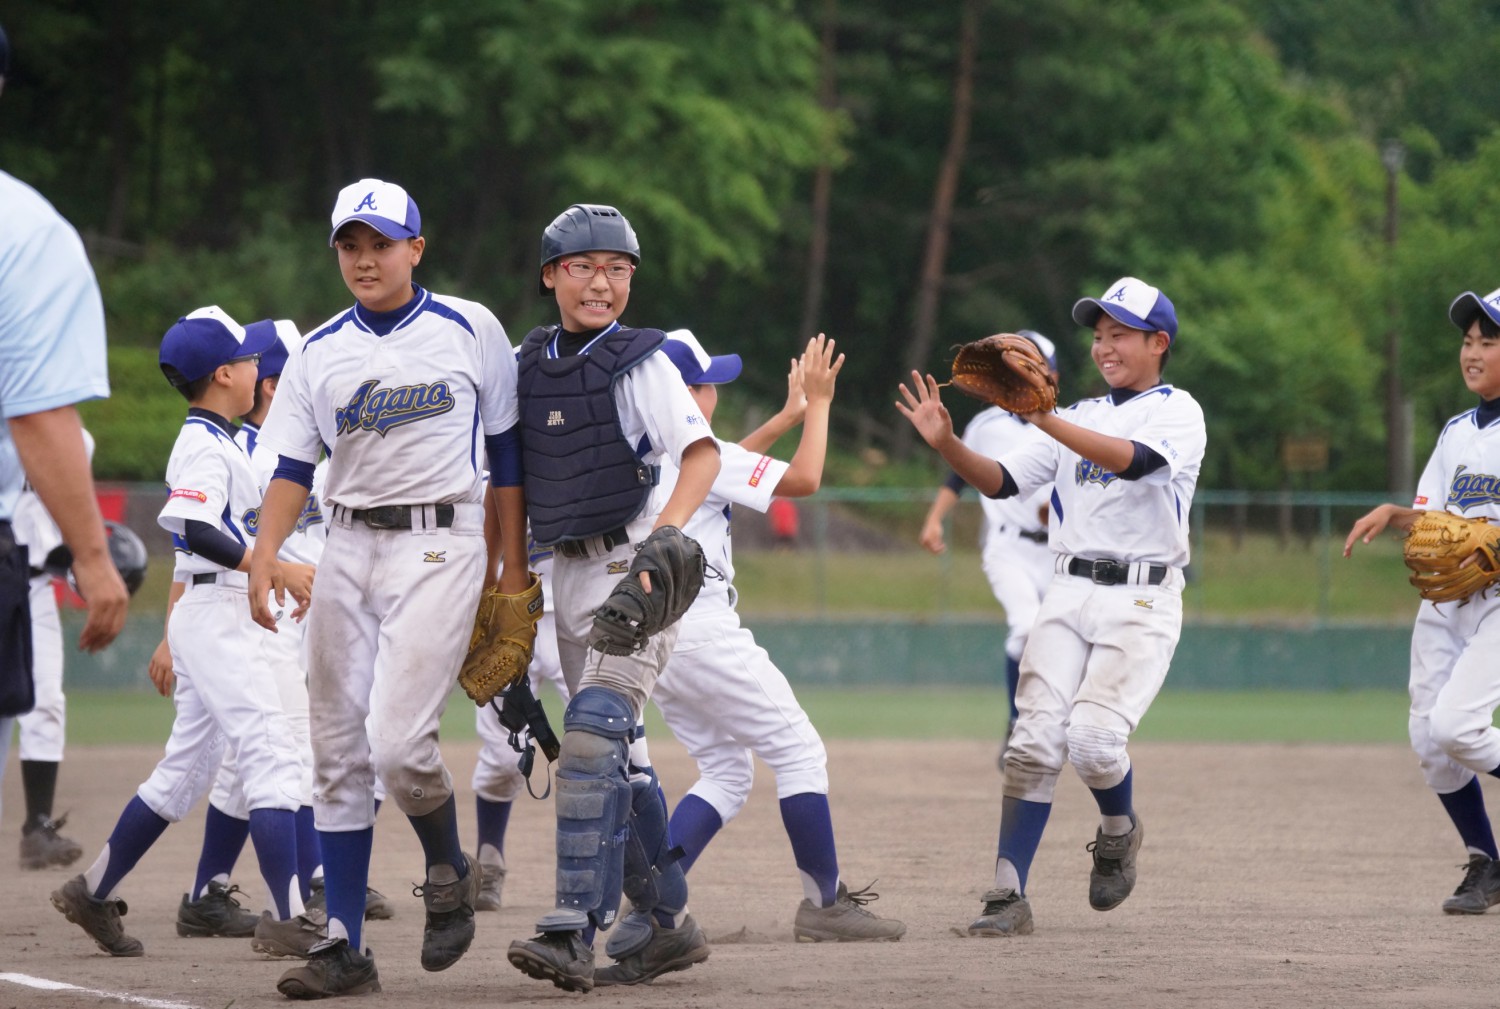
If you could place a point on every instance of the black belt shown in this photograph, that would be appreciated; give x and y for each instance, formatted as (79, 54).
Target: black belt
(1034, 535)
(580, 548)
(400, 516)
(207, 578)
(7, 539)
(1105, 571)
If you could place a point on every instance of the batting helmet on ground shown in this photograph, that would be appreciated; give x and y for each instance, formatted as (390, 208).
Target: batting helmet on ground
(587, 227)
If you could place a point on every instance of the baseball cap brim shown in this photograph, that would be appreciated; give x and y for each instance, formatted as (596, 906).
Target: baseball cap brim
(1467, 306)
(384, 225)
(260, 338)
(1086, 313)
(718, 371)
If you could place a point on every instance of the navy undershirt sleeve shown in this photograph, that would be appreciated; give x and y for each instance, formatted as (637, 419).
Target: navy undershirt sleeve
(955, 483)
(504, 452)
(295, 470)
(1008, 486)
(1145, 461)
(210, 543)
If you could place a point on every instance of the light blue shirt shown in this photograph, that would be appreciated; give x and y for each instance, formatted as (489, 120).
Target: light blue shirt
(51, 321)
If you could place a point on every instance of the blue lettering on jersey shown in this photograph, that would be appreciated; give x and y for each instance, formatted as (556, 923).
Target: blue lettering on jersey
(368, 201)
(1470, 489)
(312, 515)
(375, 409)
(1092, 472)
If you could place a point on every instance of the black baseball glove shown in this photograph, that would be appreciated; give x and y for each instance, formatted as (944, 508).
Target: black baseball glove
(631, 615)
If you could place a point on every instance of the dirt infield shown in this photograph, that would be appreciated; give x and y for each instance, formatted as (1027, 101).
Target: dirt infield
(1270, 876)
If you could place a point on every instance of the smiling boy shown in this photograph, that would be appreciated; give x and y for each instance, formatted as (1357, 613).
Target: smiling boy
(1125, 466)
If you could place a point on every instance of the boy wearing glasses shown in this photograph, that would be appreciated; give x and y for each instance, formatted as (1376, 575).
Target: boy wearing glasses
(400, 388)
(225, 691)
(601, 411)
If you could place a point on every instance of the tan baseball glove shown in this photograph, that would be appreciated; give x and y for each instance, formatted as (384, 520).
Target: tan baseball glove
(1008, 371)
(1452, 557)
(500, 647)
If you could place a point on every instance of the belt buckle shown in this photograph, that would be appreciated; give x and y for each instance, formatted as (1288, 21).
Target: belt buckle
(1105, 571)
(381, 518)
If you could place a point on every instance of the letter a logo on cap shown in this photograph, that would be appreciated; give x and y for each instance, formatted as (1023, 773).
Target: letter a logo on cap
(1118, 295)
(368, 201)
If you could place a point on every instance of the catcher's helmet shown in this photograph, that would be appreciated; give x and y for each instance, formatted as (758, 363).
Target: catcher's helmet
(587, 227)
(128, 553)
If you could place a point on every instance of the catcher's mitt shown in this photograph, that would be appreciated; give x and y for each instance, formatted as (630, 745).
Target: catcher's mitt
(624, 622)
(1452, 557)
(1008, 371)
(500, 647)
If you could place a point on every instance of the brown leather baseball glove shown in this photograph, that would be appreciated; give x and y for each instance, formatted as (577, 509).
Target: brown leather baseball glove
(1008, 371)
(500, 645)
(1452, 557)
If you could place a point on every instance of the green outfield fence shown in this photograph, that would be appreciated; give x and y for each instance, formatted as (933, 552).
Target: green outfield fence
(849, 599)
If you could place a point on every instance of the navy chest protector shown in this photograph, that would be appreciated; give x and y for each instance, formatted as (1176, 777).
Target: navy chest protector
(582, 477)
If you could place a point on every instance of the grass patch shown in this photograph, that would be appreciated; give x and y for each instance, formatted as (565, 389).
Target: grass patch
(137, 717)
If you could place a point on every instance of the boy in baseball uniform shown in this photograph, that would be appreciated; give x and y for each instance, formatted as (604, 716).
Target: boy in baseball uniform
(1454, 689)
(602, 410)
(1013, 540)
(404, 389)
(1123, 469)
(722, 696)
(225, 692)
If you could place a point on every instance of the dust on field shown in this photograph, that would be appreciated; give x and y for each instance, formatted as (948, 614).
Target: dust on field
(1271, 876)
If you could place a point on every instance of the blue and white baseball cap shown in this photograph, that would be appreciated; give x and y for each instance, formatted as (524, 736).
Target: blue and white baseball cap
(384, 206)
(1467, 306)
(1133, 302)
(206, 338)
(284, 337)
(697, 367)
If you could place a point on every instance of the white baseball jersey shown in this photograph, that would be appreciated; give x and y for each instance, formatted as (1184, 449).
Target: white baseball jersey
(1095, 513)
(992, 433)
(745, 478)
(209, 480)
(403, 415)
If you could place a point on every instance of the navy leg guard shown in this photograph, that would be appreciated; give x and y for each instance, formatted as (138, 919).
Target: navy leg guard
(654, 881)
(593, 808)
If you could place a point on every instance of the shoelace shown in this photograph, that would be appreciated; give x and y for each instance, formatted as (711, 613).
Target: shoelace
(861, 897)
(1471, 877)
(1104, 863)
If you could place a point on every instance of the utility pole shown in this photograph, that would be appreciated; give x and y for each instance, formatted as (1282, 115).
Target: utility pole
(1398, 435)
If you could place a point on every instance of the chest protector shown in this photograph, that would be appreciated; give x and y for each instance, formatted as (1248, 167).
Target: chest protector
(582, 477)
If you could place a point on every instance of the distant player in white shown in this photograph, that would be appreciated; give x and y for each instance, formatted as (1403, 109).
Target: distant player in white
(721, 695)
(405, 390)
(1455, 689)
(1124, 467)
(1013, 541)
(225, 692)
(498, 780)
(43, 730)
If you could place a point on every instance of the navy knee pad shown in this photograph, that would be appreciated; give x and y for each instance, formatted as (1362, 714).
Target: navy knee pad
(593, 804)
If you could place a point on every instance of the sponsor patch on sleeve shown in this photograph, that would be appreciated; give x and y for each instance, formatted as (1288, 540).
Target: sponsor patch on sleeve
(191, 495)
(1419, 501)
(759, 471)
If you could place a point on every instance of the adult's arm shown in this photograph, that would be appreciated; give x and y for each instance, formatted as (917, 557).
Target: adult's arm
(51, 449)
